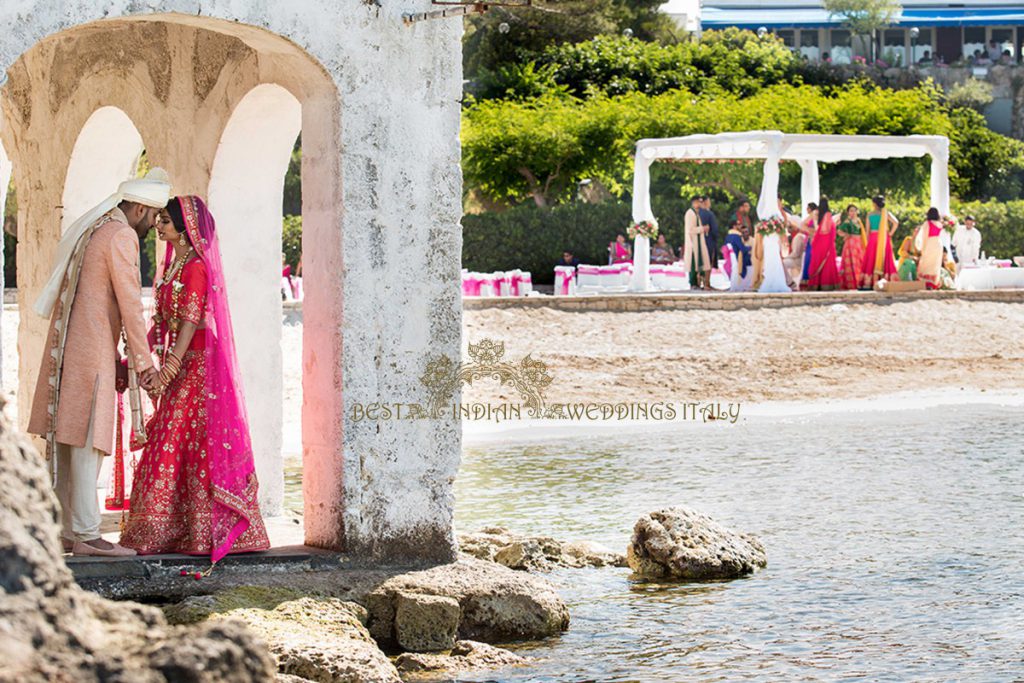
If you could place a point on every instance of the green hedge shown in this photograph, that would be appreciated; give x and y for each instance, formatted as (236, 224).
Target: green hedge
(533, 239)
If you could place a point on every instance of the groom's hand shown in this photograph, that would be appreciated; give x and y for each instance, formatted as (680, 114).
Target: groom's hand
(148, 379)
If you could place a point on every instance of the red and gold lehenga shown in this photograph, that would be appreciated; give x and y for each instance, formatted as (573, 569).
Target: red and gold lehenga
(195, 493)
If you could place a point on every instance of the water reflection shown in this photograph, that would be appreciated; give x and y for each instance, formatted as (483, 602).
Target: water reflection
(894, 542)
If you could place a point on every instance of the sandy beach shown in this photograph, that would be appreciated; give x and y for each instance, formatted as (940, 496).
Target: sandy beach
(804, 353)
(799, 354)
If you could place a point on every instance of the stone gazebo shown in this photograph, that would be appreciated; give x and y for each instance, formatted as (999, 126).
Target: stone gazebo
(216, 93)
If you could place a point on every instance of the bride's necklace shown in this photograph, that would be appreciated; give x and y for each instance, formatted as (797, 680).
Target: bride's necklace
(177, 265)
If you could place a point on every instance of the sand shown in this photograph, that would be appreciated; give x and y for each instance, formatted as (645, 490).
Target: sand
(805, 353)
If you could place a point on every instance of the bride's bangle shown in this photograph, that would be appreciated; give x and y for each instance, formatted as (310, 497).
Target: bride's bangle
(170, 370)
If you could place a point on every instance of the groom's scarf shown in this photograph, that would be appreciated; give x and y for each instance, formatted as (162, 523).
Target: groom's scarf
(61, 316)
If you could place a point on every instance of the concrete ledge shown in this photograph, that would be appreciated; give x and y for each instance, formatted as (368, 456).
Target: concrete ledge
(664, 301)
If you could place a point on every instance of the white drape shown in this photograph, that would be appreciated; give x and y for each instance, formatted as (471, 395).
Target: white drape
(774, 272)
(810, 184)
(641, 280)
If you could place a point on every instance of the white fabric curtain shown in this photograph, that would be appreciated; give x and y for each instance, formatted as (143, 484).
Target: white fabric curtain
(810, 184)
(774, 272)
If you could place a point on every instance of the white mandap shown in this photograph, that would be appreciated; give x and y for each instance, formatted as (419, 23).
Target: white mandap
(775, 147)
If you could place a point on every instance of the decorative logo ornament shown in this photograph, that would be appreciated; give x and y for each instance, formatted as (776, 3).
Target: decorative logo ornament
(529, 378)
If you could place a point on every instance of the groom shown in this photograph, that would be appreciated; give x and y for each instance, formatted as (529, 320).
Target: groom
(94, 293)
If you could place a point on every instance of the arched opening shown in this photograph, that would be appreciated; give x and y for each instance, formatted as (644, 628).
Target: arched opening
(246, 193)
(10, 240)
(220, 105)
(381, 220)
(106, 152)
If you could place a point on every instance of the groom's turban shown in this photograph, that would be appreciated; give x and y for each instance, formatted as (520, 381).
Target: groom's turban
(154, 190)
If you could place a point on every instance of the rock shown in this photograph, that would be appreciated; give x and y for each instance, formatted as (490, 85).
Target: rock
(288, 678)
(681, 543)
(426, 623)
(53, 630)
(536, 553)
(467, 655)
(317, 638)
(496, 603)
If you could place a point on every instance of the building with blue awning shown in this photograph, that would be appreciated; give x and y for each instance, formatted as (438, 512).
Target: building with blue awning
(976, 33)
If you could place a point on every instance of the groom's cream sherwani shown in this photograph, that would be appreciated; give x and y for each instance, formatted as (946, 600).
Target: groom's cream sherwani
(109, 295)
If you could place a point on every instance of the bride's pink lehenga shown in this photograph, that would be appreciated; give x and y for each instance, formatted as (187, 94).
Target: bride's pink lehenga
(195, 489)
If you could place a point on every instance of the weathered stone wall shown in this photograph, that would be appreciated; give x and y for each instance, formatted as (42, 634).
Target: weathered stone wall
(381, 207)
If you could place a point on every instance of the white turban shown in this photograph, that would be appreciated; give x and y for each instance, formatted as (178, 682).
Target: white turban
(154, 190)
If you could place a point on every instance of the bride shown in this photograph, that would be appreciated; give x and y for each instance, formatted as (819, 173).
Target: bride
(195, 484)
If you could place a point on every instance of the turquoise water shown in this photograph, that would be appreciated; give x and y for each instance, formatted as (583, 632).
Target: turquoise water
(895, 546)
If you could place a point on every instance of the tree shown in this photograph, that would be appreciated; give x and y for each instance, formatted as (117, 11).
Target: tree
(532, 29)
(864, 17)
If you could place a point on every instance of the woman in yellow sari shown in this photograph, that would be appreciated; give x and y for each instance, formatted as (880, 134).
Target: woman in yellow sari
(879, 263)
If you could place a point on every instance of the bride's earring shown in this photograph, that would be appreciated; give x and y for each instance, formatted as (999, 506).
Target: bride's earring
(182, 241)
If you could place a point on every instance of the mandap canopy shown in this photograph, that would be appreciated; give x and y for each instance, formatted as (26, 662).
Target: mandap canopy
(774, 147)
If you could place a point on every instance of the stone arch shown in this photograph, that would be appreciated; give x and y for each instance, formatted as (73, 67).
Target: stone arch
(382, 219)
(246, 193)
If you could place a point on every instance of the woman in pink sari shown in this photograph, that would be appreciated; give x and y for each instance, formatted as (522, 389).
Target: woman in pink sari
(621, 251)
(823, 275)
(195, 489)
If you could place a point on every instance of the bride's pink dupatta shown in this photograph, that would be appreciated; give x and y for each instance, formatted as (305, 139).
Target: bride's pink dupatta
(228, 445)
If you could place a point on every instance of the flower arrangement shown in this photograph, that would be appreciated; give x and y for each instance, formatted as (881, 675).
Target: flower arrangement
(771, 226)
(648, 229)
(949, 224)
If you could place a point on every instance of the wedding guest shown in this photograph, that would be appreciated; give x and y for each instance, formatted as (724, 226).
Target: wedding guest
(740, 245)
(967, 243)
(930, 263)
(743, 215)
(906, 267)
(854, 236)
(695, 248)
(661, 252)
(823, 275)
(879, 263)
(794, 260)
(568, 260)
(286, 279)
(711, 235)
(807, 226)
(621, 251)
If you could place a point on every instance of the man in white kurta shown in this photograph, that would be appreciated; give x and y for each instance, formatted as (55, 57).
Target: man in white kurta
(967, 242)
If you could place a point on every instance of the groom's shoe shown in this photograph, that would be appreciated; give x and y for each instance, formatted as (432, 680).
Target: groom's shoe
(101, 548)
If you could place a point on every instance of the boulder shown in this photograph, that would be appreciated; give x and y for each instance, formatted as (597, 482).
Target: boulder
(426, 623)
(53, 630)
(317, 638)
(681, 543)
(536, 553)
(496, 603)
(466, 655)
